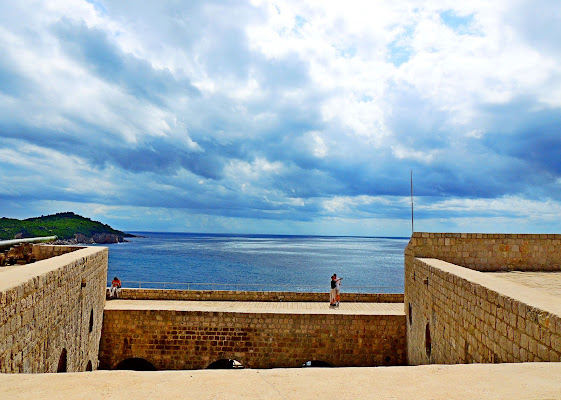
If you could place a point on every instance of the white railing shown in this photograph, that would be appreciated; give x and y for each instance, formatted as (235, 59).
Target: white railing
(255, 287)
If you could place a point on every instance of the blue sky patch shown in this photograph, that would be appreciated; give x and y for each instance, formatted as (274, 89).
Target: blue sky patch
(98, 6)
(458, 23)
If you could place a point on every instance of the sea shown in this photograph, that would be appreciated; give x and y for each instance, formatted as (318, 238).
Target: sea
(258, 262)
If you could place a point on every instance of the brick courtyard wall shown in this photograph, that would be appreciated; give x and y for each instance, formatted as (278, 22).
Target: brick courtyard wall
(195, 339)
(51, 311)
(460, 315)
(232, 295)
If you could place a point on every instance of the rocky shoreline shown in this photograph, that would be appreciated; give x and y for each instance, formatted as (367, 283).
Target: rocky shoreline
(98, 238)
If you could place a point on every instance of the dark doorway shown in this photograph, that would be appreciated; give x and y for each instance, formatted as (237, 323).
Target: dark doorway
(410, 314)
(62, 362)
(428, 341)
(91, 321)
(136, 364)
(89, 366)
(316, 364)
(225, 363)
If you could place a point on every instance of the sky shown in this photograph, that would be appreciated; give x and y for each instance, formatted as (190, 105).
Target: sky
(283, 117)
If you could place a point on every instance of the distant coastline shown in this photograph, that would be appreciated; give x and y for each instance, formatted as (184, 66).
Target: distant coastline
(69, 228)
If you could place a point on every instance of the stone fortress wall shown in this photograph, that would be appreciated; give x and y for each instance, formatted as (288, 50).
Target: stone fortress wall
(51, 310)
(236, 295)
(489, 252)
(458, 314)
(45, 251)
(52, 313)
(175, 339)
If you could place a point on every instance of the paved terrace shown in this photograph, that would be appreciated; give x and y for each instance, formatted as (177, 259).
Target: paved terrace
(292, 307)
(466, 382)
(546, 282)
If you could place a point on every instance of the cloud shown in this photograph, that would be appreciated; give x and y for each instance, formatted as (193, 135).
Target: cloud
(306, 116)
(92, 48)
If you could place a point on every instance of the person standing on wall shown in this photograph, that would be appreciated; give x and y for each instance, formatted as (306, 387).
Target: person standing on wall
(337, 289)
(333, 292)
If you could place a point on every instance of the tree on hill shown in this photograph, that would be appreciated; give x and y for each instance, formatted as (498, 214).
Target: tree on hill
(65, 226)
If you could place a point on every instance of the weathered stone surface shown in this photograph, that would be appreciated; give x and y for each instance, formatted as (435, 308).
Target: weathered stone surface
(193, 339)
(459, 303)
(167, 294)
(53, 307)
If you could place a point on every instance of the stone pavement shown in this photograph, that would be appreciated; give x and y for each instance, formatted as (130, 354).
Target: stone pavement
(259, 307)
(465, 381)
(549, 282)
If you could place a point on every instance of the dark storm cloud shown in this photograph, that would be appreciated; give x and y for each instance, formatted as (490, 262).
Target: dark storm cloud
(515, 154)
(95, 51)
(535, 139)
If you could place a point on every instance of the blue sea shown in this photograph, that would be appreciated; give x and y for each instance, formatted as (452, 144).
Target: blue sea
(258, 262)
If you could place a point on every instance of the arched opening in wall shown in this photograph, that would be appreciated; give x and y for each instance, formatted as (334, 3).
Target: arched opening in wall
(62, 362)
(428, 341)
(410, 315)
(91, 320)
(316, 364)
(89, 366)
(226, 363)
(135, 364)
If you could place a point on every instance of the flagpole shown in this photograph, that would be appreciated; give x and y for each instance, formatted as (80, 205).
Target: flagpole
(412, 230)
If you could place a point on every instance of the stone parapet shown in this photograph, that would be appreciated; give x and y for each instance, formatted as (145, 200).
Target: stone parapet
(489, 252)
(457, 315)
(232, 295)
(51, 311)
(176, 339)
(45, 251)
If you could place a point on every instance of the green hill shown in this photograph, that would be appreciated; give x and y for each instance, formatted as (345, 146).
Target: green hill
(64, 225)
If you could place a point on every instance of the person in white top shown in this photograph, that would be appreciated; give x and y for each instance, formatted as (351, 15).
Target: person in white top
(337, 289)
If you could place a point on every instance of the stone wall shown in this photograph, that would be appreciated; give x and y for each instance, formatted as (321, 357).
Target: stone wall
(45, 251)
(456, 315)
(461, 315)
(51, 311)
(489, 252)
(232, 295)
(171, 339)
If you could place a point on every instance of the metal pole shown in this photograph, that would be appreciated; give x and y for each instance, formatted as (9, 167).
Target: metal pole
(412, 229)
(6, 244)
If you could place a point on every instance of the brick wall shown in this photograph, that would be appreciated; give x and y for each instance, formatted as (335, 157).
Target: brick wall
(195, 339)
(232, 295)
(51, 311)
